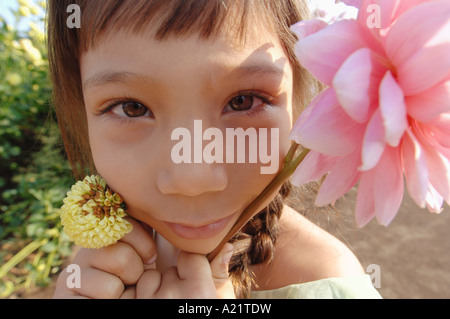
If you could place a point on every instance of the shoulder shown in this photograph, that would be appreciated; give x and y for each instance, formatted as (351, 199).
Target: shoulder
(303, 253)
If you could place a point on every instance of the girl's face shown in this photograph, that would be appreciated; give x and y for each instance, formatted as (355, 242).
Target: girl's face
(142, 97)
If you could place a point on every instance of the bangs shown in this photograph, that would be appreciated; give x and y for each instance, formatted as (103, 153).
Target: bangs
(207, 18)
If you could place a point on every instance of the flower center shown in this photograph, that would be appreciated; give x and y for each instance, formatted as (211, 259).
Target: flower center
(100, 202)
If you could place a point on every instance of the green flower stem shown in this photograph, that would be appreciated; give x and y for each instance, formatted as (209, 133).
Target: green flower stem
(21, 255)
(290, 164)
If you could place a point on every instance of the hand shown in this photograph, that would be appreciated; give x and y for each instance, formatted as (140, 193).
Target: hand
(194, 277)
(113, 271)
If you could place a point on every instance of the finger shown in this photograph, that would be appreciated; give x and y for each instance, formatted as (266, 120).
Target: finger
(98, 284)
(220, 274)
(148, 284)
(193, 267)
(129, 293)
(62, 290)
(195, 276)
(141, 239)
(219, 265)
(119, 259)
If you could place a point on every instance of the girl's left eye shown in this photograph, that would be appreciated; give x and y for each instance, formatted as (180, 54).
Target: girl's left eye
(131, 109)
(245, 102)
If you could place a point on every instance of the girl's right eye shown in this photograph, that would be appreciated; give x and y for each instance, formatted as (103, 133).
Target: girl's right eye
(130, 109)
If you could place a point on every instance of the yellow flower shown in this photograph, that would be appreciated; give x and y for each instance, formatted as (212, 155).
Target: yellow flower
(43, 4)
(25, 3)
(24, 11)
(13, 79)
(34, 10)
(92, 216)
(32, 52)
(36, 32)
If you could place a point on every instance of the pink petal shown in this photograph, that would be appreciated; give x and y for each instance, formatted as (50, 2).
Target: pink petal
(365, 203)
(436, 133)
(352, 85)
(304, 115)
(391, 9)
(415, 167)
(313, 168)
(441, 135)
(418, 47)
(429, 104)
(323, 53)
(388, 186)
(384, 12)
(340, 180)
(442, 124)
(439, 171)
(434, 200)
(373, 143)
(438, 165)
(402, 6)
(367, 12)
(307, 27)
(442, 120)
(327, 128)
(393, 110)
(372, 12)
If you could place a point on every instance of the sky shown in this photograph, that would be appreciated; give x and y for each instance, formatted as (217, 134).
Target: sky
(5, 12)
(4, 5)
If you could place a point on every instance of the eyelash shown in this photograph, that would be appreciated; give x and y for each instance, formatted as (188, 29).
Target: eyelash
(265, 98)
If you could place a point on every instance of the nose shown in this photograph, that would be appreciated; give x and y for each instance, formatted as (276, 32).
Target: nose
(192, 179)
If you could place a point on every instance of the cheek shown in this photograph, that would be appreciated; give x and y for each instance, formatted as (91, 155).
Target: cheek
(117, 160)
(104, 150)
(249, 178)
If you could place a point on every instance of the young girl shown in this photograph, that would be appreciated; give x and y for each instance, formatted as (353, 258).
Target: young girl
(139, 70)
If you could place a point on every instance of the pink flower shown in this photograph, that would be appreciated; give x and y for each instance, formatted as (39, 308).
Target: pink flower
(385, 116)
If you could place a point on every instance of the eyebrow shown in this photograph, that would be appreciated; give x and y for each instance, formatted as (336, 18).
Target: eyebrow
(242, 71)
(266, 69)
(114, 77)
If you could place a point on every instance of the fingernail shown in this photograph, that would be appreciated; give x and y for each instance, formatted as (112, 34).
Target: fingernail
(151, 260)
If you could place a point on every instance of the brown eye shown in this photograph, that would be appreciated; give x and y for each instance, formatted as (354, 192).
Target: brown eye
(134, 109)
(242, 102)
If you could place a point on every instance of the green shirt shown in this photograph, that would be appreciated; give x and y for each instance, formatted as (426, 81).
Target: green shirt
(354, 287)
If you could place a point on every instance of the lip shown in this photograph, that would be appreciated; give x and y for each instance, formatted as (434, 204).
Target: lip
(200, 232)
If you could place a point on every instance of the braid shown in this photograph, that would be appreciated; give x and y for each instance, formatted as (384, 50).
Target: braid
(254, 244)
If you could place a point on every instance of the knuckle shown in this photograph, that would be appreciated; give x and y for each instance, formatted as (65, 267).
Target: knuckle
(192, 264)
(170, 275)
(83, 256)
(148, 285)
(61, 284)
(203, 290)
(113, 289)
(127, 264)
(124, 256)
(129, 293)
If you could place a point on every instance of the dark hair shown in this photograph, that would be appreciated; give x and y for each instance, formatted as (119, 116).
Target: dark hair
(175, 18)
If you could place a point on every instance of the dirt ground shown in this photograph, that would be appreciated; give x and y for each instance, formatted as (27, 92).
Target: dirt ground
(412, 253)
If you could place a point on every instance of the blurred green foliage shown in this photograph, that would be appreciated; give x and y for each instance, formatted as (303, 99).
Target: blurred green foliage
(34, 174)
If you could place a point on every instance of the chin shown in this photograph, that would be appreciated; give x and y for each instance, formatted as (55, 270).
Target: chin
(201, 247)
(199, 240)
